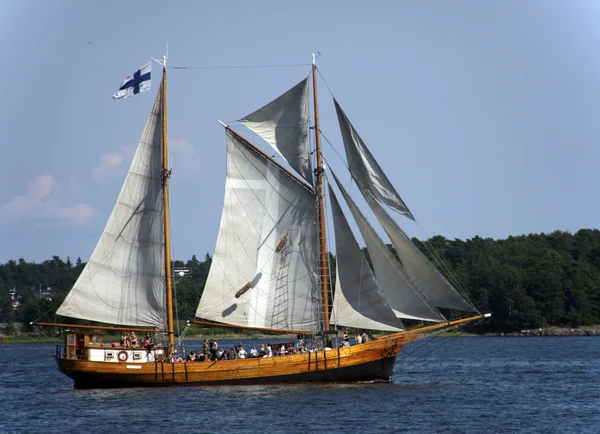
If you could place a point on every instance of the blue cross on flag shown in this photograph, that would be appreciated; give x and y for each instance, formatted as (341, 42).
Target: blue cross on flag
(135, 83)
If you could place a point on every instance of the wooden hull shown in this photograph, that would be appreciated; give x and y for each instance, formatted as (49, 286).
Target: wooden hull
(365, 362)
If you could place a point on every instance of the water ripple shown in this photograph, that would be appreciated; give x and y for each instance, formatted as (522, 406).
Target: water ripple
(546, 385)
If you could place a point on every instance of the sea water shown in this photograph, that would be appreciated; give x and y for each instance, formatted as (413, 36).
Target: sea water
(449, 385)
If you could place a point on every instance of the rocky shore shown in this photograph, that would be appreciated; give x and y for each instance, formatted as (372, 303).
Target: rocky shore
(553, 331)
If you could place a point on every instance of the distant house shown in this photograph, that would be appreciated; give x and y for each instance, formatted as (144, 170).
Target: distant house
(44, 293)
(47, 293)
(14, 298)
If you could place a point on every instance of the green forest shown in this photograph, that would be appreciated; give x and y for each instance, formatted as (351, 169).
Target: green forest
(526, 282)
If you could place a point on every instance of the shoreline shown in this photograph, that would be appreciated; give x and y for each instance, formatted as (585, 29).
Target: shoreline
(539, 332)
(550, 331)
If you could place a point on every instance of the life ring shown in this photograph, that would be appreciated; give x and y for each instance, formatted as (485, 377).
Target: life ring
(123, 356)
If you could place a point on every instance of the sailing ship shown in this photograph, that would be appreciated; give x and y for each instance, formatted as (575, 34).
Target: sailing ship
(271, 268)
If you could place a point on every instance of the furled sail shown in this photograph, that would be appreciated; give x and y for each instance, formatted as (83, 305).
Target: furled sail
(401, 292)
(267, 239)
(436, 288)
(283, 123)
(358, 300)
(124, 281)
(365, 169)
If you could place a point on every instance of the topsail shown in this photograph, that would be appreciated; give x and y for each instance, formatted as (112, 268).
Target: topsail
(283, 123)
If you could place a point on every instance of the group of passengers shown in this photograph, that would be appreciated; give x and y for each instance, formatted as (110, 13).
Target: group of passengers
(361, 338)
(130, 340)
(211, 351)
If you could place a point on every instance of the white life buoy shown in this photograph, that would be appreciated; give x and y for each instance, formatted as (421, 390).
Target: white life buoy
(123, 356)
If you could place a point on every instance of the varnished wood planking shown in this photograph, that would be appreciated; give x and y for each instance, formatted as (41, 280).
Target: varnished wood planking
(234, 370)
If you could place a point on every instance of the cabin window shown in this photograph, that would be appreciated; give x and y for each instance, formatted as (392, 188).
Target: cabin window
(137, 356)
(71, 340)
(109, 355)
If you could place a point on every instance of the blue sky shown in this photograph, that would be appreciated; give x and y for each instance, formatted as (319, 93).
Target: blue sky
(484, 115)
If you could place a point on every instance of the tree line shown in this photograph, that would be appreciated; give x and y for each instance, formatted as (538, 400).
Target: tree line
(526, 282)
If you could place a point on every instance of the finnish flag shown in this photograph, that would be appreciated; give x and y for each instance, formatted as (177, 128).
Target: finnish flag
(135, 83)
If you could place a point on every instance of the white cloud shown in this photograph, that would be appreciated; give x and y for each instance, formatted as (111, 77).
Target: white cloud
(185, 161)
(181, 146)
(78, 213)
(111, 164)
(38, 203)
(41, 187)
(183, 158)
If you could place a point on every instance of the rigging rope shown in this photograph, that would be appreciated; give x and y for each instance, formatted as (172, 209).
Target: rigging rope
(445, 267)
(296, 65)
(427, 340)
(174, 283)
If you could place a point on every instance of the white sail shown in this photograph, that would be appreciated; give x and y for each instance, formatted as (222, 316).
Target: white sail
(436, 288)
(266, 249)
(343, 314)
(358, 300)
(283, 123)
(364, 168)
(124, 281)
(400, 291)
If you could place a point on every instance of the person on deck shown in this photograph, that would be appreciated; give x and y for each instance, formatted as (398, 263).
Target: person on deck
(232, 354)
(254, 352)
(242, 353)
(358, 339)
(365, 337)
(268, 351)
(214, 348)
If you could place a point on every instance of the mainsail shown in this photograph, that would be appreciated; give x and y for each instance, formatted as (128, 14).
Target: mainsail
(266, 248)
(358, 300)
(283, 123)
(124, 281)
(402, 293)
(364, 168)
(436, 288)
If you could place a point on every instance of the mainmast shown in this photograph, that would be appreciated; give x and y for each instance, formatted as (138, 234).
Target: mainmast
(166, 174)
(320, 204)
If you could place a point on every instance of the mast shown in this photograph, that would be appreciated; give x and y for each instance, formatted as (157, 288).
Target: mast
(320, 203)
(166, 174)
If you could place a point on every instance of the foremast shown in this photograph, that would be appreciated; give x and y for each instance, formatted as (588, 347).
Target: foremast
(319, 172)
(165, 176)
